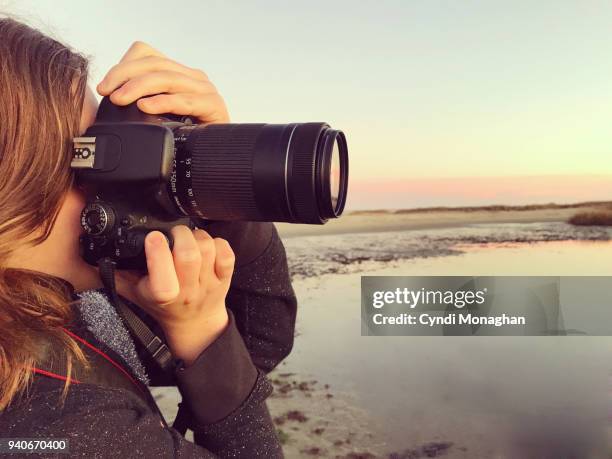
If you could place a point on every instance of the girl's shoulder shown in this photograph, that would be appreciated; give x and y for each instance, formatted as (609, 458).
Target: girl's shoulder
(44, 410)
(95, 421)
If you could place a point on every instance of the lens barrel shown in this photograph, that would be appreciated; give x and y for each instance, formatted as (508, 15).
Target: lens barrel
(260, 172)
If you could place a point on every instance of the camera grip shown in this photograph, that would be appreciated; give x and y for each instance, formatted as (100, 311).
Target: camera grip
(125, 248)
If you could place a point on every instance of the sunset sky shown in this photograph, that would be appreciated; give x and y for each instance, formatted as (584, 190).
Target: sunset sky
(443, 102)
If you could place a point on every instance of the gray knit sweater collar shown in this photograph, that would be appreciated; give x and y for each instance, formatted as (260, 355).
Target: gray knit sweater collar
(102, 320)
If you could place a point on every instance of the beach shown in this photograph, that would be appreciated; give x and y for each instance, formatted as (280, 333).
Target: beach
(411, 219)
(342, 395)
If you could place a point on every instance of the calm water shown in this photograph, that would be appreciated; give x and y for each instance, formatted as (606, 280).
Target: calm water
(491, 396)
(351, 253)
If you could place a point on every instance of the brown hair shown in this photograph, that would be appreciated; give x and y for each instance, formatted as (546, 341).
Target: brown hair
(42, 88)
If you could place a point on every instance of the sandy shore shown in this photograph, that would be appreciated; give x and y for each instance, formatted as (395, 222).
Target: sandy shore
(381, 221)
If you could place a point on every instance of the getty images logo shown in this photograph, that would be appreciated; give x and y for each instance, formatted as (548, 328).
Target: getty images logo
(412, 298)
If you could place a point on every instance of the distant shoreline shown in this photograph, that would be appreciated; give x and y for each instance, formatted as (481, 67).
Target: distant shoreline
(382, 220)
(488, 208)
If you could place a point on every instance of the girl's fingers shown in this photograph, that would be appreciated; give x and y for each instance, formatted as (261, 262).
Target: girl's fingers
(161, 285)
(208, 252)
(128, 70)
(224, 262)
(138, 50)
(159, 82)
(187, 260)
(144, 71)
(208, 108)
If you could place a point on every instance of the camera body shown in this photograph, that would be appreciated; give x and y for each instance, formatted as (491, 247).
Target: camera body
(124, 164)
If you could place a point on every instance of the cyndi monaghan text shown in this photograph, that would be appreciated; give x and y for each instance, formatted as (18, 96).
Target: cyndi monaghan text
(451, 319)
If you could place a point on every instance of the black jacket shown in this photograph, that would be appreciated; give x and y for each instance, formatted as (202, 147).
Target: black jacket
(225, 388)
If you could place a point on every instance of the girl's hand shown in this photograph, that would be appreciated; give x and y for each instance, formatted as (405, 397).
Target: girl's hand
(173, 88)
(184, 289)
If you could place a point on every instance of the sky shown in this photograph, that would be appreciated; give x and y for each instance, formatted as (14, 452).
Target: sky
(443, 102)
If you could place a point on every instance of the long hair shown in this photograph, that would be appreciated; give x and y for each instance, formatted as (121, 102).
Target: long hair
(42, 89)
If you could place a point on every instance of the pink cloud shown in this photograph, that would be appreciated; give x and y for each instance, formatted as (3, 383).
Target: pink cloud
(477, 191)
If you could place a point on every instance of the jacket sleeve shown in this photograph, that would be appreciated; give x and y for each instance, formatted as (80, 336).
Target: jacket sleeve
(261, 295)
(225, 395)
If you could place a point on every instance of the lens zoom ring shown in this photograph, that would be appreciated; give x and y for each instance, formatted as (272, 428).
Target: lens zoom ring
(222, 170)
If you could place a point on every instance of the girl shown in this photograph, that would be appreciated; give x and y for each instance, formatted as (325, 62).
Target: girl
(222, 297)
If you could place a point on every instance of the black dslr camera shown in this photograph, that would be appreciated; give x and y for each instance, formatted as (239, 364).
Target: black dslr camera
(143, 172)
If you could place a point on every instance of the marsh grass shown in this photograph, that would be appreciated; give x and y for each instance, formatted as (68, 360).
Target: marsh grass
(592, 218)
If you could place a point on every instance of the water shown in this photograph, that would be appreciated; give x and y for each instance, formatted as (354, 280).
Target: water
(349, 253)
(487, 396)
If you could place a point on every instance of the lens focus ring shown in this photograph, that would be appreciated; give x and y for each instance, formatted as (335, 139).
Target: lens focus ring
(301, 181)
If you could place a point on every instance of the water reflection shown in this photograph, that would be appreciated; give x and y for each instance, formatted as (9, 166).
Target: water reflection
(514, 396)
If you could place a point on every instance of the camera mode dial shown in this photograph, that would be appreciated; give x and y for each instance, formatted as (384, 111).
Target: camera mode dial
(97, 218)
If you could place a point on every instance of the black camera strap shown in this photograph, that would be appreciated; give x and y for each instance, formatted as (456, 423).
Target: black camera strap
(141, 332)
(153, 344)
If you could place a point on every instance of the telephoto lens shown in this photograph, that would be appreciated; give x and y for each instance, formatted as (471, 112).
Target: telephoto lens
(262, 172)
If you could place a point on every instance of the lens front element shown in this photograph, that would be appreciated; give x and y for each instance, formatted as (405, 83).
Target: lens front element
(334, 174)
